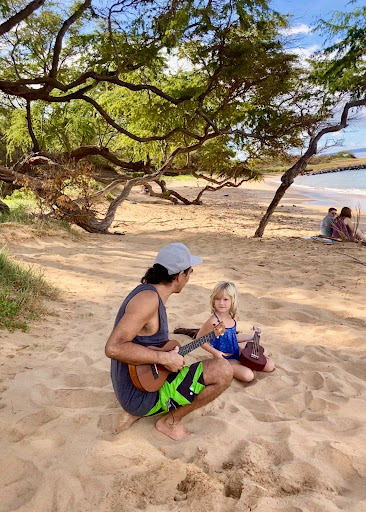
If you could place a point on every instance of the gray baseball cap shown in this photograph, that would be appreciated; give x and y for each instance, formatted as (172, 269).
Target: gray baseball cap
(176, 257)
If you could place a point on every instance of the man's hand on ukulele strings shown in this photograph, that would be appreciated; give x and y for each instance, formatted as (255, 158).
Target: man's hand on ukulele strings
(175, 361)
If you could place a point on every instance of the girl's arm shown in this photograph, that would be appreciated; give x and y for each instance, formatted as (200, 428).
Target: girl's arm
(348, 222)
(243, 338)
(356, 232)
(205, 329)
(216, 353)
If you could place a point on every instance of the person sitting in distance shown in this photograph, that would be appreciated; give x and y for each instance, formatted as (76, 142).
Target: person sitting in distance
(344, 228)
(326, 225)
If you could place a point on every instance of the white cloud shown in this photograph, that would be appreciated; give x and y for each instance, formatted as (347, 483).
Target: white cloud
(305, 53)
(298, 29)
(176, 64)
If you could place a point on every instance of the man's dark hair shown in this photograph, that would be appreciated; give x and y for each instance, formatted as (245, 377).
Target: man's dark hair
(157, 274)
(332, 210)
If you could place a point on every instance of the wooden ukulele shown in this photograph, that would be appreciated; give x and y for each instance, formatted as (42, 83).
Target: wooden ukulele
(150, 377)
(252, 355)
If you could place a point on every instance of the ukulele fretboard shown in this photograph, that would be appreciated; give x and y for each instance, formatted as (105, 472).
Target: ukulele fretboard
(196, 343)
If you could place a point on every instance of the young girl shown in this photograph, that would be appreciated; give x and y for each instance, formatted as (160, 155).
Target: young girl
(224, 305)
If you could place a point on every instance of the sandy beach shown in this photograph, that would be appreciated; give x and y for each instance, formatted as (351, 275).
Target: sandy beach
(291, 441)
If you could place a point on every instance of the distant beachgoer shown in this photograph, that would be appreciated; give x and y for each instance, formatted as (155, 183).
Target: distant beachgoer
(343, 227)
(326, 225)
(224, 305)
(144, 190)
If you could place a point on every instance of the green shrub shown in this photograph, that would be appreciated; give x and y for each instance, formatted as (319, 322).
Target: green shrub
(22, 290)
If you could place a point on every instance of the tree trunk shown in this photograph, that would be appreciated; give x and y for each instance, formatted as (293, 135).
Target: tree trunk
(4, 208)
(287, 180)
(6, 189)
(280, 192)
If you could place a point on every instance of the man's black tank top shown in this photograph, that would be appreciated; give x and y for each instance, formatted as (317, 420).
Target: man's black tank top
(135, 402)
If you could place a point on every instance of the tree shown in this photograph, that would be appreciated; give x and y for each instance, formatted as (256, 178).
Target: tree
(93, 86)
(338, 79)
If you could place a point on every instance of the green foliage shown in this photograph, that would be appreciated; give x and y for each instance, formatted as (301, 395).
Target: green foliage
(344, 154)
(214, 157)
(61, 127)
(22, 290)
(234, 49)
(4, 8)
(16, 133)
(341, 67)
(239, 87)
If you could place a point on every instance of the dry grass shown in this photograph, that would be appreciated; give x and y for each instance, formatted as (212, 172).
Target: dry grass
(337, 162)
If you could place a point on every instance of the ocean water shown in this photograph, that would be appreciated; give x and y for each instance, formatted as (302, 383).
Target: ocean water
(359, 154)
(338, 189)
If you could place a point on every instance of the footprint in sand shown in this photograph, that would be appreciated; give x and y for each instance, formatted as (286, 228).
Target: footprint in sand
(313, 379)
(21, 480)
(74, 398)
(109, 420)
(97, 380)
(77, 356)
(30, 424)
(299, 316)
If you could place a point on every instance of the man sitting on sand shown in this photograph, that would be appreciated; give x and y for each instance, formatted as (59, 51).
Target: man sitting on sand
(141, 322)
(326, 225)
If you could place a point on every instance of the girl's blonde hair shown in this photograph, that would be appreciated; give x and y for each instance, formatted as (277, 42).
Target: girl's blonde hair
(230, 289)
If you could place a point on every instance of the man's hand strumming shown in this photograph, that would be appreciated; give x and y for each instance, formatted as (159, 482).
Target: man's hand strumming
(174, 361)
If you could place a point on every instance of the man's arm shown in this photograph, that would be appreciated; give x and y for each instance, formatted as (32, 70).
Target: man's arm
(141, 310)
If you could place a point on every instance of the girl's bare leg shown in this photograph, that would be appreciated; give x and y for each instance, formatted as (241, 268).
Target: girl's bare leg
(241, 372)
(270, 366)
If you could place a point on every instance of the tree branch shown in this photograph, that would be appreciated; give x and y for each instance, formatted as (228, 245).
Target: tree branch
(132, 136)
(84, 151)
(65, 27)
(20, 16)
(7, 85)
(101, 193)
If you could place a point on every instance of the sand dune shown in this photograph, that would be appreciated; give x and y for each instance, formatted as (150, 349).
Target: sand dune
(292, 441)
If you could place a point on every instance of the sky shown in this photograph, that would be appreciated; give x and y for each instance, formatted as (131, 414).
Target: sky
(305, 14)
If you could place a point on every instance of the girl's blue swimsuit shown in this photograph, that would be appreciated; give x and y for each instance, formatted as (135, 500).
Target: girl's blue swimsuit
(227, 342)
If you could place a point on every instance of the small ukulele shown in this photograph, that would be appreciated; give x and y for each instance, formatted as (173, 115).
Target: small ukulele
(150, 377)
(252, 355)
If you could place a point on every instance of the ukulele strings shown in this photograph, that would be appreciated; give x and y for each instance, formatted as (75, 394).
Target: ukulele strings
(255, 348)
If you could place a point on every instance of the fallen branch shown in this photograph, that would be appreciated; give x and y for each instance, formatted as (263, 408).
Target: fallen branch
(356, 259)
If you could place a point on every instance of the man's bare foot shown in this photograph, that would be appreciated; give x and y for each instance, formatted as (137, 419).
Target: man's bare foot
(175, 431)
(124, 422)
